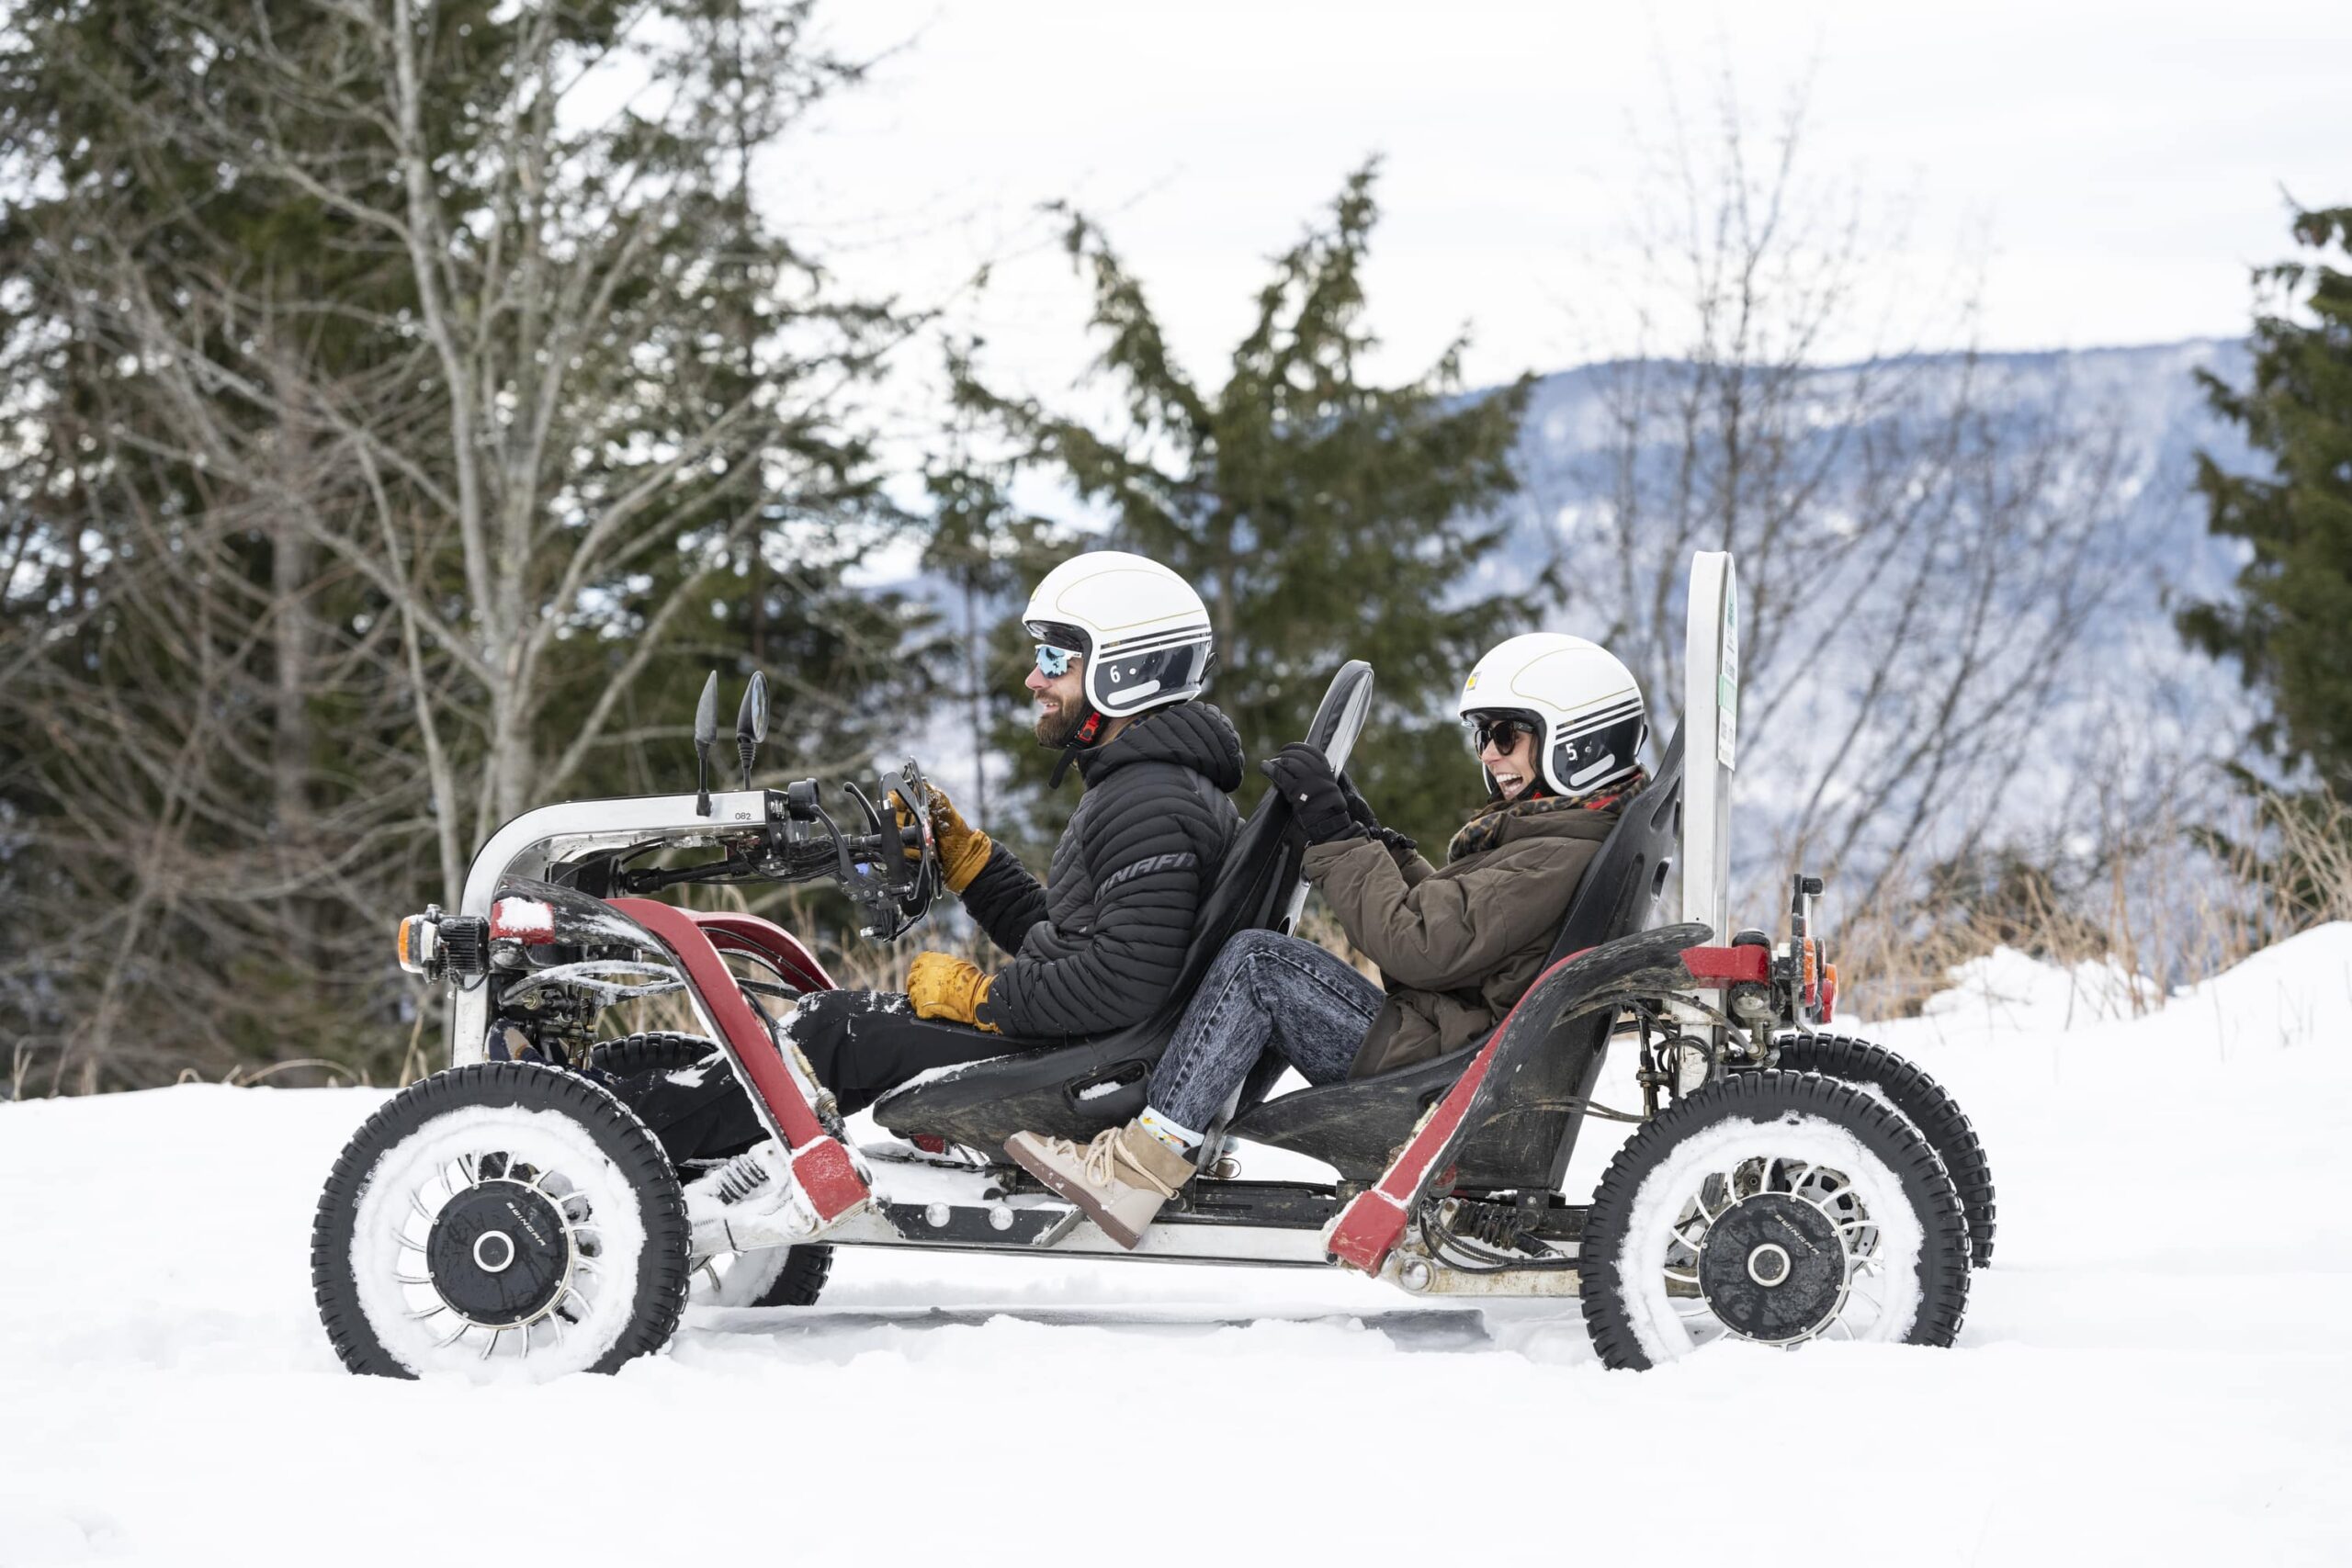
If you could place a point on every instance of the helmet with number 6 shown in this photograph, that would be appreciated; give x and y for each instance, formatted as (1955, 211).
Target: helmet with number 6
(1143, 632)
(1578, 699)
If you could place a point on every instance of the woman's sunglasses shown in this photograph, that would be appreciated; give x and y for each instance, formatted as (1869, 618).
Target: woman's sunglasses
(1054, 661)
(1502, 732)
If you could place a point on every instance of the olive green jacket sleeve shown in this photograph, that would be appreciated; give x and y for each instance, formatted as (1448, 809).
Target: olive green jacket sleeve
(1446, 930)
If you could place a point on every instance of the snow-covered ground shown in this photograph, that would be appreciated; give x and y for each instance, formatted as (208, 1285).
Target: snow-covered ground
(2154, 1369)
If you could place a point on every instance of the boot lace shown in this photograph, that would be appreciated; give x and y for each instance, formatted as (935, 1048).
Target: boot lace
(1107, 1160)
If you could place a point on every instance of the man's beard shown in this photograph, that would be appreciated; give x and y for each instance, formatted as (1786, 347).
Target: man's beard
(1055, 726)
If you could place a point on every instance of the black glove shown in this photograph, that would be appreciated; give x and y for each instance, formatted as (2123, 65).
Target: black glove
(1359, 812)
(1397, 842)
(1300, 771)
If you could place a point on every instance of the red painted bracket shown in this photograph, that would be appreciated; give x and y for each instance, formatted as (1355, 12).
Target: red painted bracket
(819, 1161)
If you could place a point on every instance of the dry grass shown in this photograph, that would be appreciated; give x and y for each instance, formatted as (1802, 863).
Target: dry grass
(2174, 903)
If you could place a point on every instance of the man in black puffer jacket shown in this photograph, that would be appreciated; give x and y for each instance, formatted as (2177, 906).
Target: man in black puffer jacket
(1094, 947)
(1098, 945)
(1124, 652)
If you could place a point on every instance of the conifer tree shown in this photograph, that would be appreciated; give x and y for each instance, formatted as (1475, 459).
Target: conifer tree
(2286, 628)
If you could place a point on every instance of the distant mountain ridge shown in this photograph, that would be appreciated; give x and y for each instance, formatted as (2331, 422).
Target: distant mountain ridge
(2150, 391)
(2129, 710)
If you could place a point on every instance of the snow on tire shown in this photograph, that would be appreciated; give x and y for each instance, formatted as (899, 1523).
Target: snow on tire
(1777, 1208)
(1930, 1107)
(503, 1220)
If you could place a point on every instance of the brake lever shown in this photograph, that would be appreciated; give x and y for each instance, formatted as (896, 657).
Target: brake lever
(872, 818)
(841, 845)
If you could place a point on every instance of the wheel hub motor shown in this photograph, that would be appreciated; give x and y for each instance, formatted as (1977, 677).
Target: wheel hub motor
(1773, 1268)
(500, 1254)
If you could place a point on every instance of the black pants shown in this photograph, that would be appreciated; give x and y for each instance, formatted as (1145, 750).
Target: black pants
(861, 1044)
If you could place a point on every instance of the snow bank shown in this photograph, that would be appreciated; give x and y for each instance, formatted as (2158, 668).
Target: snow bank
(2012, 990)
(2151, 1371)
(2295, 993)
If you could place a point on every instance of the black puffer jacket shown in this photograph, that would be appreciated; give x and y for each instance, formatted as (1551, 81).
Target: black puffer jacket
(1098, 946)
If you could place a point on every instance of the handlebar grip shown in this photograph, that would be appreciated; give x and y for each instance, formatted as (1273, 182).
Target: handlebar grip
(866, 843)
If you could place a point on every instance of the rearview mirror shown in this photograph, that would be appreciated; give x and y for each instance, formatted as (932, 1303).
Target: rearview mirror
(706, 736)
(751, 723)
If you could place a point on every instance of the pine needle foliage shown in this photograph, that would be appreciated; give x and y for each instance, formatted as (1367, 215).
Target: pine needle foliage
(2285, 629)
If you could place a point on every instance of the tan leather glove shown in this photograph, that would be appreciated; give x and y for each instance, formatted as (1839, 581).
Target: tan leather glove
(963, 849)
(944, 987)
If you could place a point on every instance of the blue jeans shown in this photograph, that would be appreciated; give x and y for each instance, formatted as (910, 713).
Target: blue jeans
(1262, 989)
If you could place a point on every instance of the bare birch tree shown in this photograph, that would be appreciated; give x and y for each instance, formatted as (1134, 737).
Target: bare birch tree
(1923, 543)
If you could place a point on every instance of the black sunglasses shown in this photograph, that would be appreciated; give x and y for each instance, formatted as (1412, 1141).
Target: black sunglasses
(1502, 730)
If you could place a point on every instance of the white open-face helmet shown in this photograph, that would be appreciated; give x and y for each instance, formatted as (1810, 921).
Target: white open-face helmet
(1581, 703)
(1143, 631)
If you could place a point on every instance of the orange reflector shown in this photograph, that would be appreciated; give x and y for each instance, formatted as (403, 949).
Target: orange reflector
(406, 962)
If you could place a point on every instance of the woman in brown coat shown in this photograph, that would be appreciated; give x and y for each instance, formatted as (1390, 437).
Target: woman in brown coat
(1557, 725)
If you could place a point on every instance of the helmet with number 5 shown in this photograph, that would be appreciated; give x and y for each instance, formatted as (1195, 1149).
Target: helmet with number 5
(1143, 631)
(1577, 697)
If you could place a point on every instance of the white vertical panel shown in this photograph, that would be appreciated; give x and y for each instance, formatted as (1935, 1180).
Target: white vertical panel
(1711, 738)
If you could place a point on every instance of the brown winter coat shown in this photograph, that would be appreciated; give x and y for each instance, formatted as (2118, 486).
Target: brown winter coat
(1457, 945)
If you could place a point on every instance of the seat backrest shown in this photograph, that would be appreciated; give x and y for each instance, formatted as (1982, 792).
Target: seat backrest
(1260, 882)
(1621, 888)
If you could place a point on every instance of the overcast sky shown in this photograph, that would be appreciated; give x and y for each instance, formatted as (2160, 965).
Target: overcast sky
(2110, 170)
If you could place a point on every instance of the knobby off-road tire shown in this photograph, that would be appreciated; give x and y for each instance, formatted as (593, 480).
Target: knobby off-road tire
(502, 1219)
(1931, 1109)
(1784, 1179)
(772, 1277)
(656, 1051)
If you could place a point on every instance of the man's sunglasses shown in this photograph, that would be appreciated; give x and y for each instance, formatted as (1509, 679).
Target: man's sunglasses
(1056, 661)
(1501, 731)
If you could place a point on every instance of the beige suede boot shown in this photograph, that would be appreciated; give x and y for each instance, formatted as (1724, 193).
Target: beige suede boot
(1120, 1179)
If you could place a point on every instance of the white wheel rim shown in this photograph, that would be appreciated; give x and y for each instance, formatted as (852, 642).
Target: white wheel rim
(551, 1154)
(1807, 1159)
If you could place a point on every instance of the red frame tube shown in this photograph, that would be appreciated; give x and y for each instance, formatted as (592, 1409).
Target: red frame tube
(765, 939)
(819, 1163)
